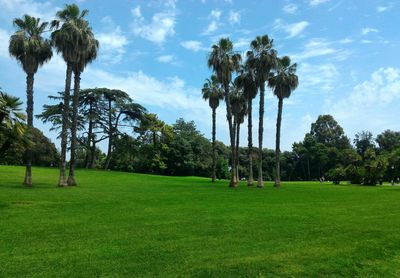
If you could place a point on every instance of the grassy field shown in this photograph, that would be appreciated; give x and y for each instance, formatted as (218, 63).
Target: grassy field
(119, 224)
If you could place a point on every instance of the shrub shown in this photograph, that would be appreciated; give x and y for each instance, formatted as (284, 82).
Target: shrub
(336, 175)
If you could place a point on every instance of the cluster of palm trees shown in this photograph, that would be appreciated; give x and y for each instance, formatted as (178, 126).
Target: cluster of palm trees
(238, 82)
(73, 38)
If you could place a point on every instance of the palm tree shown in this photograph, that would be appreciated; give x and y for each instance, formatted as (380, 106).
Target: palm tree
(87, 48)
(67, 42)
(213, 92)
(31, 50)
(239, 111)
(246, 80)
(262, 58)
(10, 112)
(223, 61)
(283, 82)
(11, 120)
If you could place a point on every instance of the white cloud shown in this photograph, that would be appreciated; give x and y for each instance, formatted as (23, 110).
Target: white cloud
(16, 8)
(112, 42)
(234, 17)
(293, 29)
(381, 9)
(367, 30)
(314, 3)
(215, 22)
(376, 97)
(290, 8)
(193, 45)
(162, 24)
(346, 41)
(166, 58)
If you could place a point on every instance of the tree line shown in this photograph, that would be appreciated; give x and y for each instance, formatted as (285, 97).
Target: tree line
(148, 145)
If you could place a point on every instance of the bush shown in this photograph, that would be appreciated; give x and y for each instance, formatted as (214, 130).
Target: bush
(355, 174)
(336, 175)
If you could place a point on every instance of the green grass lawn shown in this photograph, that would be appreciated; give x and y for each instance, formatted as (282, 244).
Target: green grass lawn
(119, 224)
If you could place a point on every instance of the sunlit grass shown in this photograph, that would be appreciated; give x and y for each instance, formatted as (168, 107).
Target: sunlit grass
(121, 224)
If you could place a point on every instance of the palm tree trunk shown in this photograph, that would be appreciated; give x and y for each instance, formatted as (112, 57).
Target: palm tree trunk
(29, 113)
(110, 137)
(233, 182)
(250, 181)
(64, 130)
(214, 153)
(237, 149)
(71, 177)
(277, 146)
(260, 183)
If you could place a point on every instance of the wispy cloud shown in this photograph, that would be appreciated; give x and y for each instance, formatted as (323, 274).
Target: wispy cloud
(293, 29)
(381, 9)
(367, 30)
(193, 45)
(290, 8)
(314, 3)
(321, 47)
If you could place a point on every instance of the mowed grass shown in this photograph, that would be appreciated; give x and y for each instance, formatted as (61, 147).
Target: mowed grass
(120, 224)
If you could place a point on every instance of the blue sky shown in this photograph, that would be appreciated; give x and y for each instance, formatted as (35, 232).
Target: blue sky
(347, 55)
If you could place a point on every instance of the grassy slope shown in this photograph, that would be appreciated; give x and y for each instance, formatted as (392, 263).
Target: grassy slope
(120, 224)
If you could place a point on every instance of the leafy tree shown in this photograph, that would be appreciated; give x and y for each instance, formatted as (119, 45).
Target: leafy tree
(92, 107)
(44, 151)
(374, 166)
(388, 141)
(31, 50)
(328, 132)
(364, 140)
(262, 58)
(213, 92)
(283, 82)
(223, 61)
(119, 108)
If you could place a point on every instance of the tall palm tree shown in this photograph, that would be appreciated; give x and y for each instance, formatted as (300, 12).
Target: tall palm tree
(262, 58)
(67, 40)
(283, 83)
(87, 48)
(246, 80)
(224, 61)
(31, 50)
(213, 92)
(239, 111)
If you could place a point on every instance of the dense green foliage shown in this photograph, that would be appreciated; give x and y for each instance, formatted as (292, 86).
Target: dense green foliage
(120, 224)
